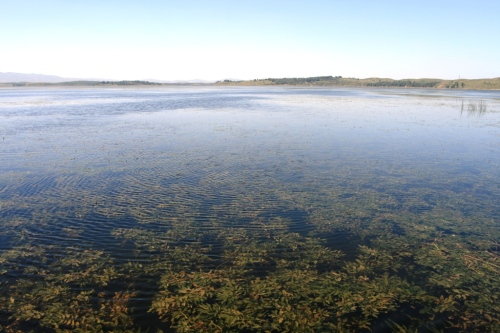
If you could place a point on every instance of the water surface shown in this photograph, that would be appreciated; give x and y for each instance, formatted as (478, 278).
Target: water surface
(316, 209)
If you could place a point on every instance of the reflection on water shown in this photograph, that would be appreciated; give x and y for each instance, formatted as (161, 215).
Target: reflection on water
(202, 209)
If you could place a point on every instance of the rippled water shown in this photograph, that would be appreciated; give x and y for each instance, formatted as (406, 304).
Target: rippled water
(181, 175)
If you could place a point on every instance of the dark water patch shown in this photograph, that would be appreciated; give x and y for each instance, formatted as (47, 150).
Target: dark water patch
(181, 178)
(5, 241)
(347, 195)
(461, 186)
(33, 187)
(486, 193)
(5, 192)
(395, 227)
(92, 231)
(99, 233)
(420, 209)
(10, 213)
(387, 321)
(445, 231)
(213, 246)
(430, 199)
(296, 220)
(495, 248)
(28, 326)
(344, 241)
(403, 197)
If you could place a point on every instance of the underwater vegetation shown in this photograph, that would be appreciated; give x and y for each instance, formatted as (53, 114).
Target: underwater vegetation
(219, 275)
(169, 225)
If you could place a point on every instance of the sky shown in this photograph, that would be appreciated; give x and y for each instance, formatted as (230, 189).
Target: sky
(218, 39)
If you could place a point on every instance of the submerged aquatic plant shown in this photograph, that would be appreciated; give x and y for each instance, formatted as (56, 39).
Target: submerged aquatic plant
(65, 294)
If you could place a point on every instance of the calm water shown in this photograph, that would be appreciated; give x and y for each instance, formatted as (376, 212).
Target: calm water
(117, 207)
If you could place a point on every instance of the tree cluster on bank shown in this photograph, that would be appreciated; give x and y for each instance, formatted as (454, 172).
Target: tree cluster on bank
(405, 83)
(305, 80)
(130, 83)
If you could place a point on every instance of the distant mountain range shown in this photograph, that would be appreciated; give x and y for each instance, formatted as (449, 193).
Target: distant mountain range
(10, 77)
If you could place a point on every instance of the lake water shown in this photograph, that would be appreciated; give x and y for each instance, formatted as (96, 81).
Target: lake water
(197, 209)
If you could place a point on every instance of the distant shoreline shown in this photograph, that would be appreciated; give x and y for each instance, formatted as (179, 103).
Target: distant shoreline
(318, 81)
(338, 81)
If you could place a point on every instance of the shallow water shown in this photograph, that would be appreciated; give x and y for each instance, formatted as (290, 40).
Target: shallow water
(163, 181)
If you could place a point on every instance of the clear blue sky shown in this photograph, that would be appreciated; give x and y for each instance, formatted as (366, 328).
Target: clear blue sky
(250, 39)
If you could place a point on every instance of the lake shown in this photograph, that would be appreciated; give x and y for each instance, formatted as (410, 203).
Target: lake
(218, 209)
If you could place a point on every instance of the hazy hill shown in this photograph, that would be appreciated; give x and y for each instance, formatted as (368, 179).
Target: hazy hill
(20, 77)
(10, 77)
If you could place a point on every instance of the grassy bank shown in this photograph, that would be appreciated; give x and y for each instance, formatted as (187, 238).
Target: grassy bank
(338, 81)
